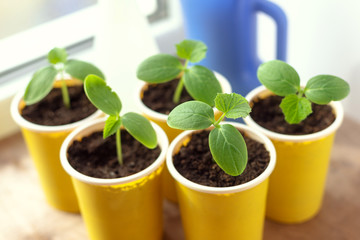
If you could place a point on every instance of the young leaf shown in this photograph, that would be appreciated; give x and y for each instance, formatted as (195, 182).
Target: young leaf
(279, 77)
(191, 115)
(40, 85)
(228, 149)
(202, 84)
(159, 68)
(295, 108)
(57, 55)
(233, 105)
(101, 95)
(80, 69)
(140, 128)
(192, 50)
(322, 89)
(112, 124)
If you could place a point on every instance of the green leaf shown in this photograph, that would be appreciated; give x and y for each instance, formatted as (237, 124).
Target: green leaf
(192, 50)
(233, 105)
(295, 108)
(191, 115)
(279, 77)
(112, 124)
(57, 55)
(159, 68)
(202, 84)
(102, 96)
(79, 69)
(228, 149)
(40, 85)
(322, 89)
(140, 128)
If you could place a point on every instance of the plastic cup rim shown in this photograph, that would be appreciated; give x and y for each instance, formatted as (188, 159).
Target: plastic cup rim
(97, 125)
(161, 116)
(223, 190)
(22, 122)
(295, 138)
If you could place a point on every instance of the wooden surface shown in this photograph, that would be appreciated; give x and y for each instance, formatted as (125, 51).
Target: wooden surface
(24, 214)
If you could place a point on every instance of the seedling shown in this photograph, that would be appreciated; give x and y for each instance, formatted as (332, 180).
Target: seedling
(199, 81)
(43, 80)
(283, 80)
(227, 145)
(108, 101)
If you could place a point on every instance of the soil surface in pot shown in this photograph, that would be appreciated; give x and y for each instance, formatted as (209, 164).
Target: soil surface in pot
(194, 162)
(51, 110)
(96, 157)
(268, 114)
(159, 97)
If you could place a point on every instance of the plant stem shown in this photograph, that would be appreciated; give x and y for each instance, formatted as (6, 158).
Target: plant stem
(300, 92)
(216, 124)
(178, 90)
(180, 85)
(118, 147)
(64, 91)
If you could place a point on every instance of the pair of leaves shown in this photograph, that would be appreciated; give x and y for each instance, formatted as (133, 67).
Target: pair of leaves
(199, 81)
(43, 80)
(226, 144)
(283, 80)
(108, 101)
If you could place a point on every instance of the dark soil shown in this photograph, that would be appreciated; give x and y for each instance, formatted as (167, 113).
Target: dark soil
(159, 97)
(194, 162)
(96, 157)
(51, 110)
(267, 113)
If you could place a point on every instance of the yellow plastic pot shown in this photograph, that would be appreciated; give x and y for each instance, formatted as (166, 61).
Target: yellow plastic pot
(43, 143)
(119, 208)
(160, 119)
(215, 213)
(297, 184)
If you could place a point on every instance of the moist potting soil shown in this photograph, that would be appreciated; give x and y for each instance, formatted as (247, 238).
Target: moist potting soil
(159, 97)
(194, 162)
(51, 110)
(97, 157)
(268, 114)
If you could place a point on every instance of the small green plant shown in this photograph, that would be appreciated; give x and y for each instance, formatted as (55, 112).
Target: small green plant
(43, 80)
(227, 145)
(108, 101)
(199, 81)
(283, 80)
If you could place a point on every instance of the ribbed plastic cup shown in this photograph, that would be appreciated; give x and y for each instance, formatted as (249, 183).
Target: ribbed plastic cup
(43, 143)
(213, 213)
(297, 184)
(119, 208)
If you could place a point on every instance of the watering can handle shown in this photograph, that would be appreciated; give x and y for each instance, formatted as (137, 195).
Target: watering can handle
(275, 12)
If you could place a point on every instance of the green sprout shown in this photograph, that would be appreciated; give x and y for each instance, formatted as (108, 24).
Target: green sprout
(43, 80)
(227, 145)
(102, 97)
(199, 81)
(283, 80)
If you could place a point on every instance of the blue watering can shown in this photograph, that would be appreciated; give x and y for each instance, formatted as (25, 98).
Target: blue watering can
(228, 28)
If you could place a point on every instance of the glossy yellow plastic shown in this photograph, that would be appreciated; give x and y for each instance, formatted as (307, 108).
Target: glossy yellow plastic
(297, 184)
(223, 216)
(213, 213)
(168, 183)
(127, 211)
(43, 143)
(119, 208)
(44, 149)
